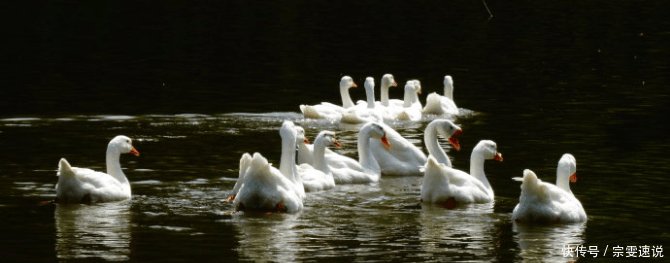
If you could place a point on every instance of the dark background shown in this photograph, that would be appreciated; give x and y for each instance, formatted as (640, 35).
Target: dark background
(70, 57)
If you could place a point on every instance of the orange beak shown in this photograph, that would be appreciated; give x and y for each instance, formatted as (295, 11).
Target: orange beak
(498, 157)
(337, 144)
(454, 141)
(134, 151)
(306, 141)
(573, 178)
(385, 142)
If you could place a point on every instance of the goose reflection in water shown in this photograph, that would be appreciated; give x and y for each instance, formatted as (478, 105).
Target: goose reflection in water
(547, 242)
(93, 231)
(464, 232)
(267, 237)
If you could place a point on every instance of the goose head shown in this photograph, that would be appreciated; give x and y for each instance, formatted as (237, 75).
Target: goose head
(288, 131)
(300, 135)
(449, 130)
(448, 81)
(409, 87)
(410, 91)
(376, 131)
(347, 82)
(388, 81)
(123, 144)
(417, 85)
(488, 149)
(328, 138)
(369, 83)
(567, 168)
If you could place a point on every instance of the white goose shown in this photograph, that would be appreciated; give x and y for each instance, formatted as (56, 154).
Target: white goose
(547, 203)
(447, 129)
(82, 185)
(364, 111)
(318, 177)
(365, 170)
(436, 104)
(305, 150)
(403, 158)
(261, 187)
(411, 110)
(450, 187)
(327, 110)
(388, 81)
(333, 159)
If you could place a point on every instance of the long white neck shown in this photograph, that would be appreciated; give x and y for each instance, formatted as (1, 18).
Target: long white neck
(477, 169)
(433, 145)
(346, 99)
(287, 162)
(370, 97)
(320, 156)
(114, 166)
(304, 154)
(449, 91)
(384, 93)
(408, 99)
(365, 157)
(563, 179)
(415, 99)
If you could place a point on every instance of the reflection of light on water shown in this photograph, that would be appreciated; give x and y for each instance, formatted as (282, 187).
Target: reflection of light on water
(546, 242)
(465, 232)
(93, 231)
(267, 237)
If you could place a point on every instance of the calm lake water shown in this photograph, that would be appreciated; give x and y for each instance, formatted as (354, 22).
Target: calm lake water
(198, 86)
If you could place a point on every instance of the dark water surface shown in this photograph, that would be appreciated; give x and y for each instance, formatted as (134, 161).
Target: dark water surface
(196, 86)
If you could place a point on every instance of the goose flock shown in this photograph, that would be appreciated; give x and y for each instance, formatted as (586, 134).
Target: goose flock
(382, 151)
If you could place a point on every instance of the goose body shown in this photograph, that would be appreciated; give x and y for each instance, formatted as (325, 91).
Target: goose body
(262, 187)
(403, 158)
(366, 170)
(542, 202)
(82, 185)
(330, 111)
(411, 110)
(364, 111)
(439, 105)
(450, 187)
(318, 177)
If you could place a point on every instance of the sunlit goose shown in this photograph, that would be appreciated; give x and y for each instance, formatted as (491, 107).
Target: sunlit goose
(365, 170)
(436, 104)
(388, 81)
(542, 202)
(327, 110)
(304, 148)
(447, 129)
(364, 111)
(402, 158)
(411, 110)
(318, 177)
(333, 159)
(265, 188)
(450, 187)
(82, 185)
